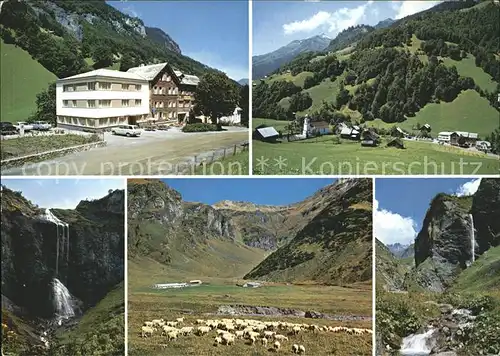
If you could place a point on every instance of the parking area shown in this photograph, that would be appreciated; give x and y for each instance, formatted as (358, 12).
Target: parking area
(152, 153)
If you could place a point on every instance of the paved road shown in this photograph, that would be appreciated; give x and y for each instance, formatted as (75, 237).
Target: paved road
(154, 153)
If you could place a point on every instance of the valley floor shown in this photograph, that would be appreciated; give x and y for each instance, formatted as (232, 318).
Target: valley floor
(350, 307)
(323, 155)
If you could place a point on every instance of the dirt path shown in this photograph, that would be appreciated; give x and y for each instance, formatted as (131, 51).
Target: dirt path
(144, 157)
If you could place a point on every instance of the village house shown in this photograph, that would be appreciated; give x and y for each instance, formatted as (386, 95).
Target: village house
(457, 138)
(313, 128)
(265, 133)
(345, 131)
(171, 92)
(369, 138)
(101, 99)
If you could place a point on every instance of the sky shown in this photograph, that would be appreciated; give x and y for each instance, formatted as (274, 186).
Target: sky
(264, 191)
(62, 193)
(214, 33)
(277, 23)
(401, 204)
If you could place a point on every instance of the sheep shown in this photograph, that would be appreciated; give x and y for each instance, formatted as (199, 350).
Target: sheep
(200, 321)
(148, 324)
(302, 349)
(264, 341)
(172, 335)
(295, 348)
(203, 330)
(296, 330)
(218, 340)
(228, 338)
(314, 328)
(172, 323)
(252, 339)
(146, 330)
(269, 334)
(186, 330)
(280, 337)
(157, 323)
(277, 345)
(220, 332)
(240, 334)
(167, 329)
(180, 320)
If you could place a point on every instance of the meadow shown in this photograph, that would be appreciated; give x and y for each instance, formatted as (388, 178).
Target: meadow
(329, 155)
(203, 302)
(18, 68)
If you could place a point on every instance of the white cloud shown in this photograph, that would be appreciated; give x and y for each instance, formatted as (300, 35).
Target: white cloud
(468, 188)
(213, 60)
(335, 21)
(391, 227)
(407, 8)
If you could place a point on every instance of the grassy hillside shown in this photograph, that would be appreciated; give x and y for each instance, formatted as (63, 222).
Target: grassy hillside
(100, 331)
(21, 79)
(298, 79)
(468, 112)
(467, 68)
(483, 275)
(390, 270)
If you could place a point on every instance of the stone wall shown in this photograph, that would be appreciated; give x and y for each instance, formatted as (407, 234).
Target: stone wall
(37, 157)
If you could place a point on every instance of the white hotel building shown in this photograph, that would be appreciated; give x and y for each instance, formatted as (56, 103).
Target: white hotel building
(101, 99)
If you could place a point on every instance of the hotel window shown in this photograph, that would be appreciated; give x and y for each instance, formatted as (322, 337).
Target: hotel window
(65, 103)
(125, 103)
(164, 77)
(138, 102)
(125, 86)
(66, 87)
(91, 86)
(104, 103)
(105, 86)
(137, 87)
(169, 78)
(73, 103)
(163, 90)
(91, 103)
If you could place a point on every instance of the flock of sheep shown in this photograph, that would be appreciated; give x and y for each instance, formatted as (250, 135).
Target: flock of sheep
(229, 330)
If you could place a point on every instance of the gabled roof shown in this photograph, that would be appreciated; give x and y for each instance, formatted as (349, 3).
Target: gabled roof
(268, 132)
(320, 124)
(106, 73)
(148, 72)
(445, 133)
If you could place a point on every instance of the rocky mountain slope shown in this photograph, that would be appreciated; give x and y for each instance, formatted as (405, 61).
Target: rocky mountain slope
(390, 271)
(334, 246)
(397, 249)
(455, 233)
(70, 37)
(93, 266)
(349, 37)
(165, 228)
(265, 64)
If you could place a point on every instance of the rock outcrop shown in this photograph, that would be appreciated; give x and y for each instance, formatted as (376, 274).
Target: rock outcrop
(444, 246)
(96, 251)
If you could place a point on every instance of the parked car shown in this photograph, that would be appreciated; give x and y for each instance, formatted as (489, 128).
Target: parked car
(126, 130)
(6, 128)
(41, 126)
(24, 125)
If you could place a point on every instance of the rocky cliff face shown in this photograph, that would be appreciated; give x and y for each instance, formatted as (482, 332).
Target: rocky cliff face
(96, 251)
(157, 35)
(443, 248)
(334, 246)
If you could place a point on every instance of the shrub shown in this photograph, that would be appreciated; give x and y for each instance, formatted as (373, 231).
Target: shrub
(200, 128)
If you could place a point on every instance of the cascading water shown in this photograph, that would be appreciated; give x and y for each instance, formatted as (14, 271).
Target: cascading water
(417, 344)
(62, 232)
(472, 238)
(63, 301)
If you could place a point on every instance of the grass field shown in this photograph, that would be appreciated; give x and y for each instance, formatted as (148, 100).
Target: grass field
(22, 146)
(202, 302)
(21, 79)
(483, 275)
(231, 165)
(468, 112)
(323, 156)
(279, 125)
(467, 68)
(298, 80)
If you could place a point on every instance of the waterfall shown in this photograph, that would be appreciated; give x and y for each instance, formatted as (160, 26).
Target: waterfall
(62, 233)
(63, 301)
(417, 344)
(472, 238)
